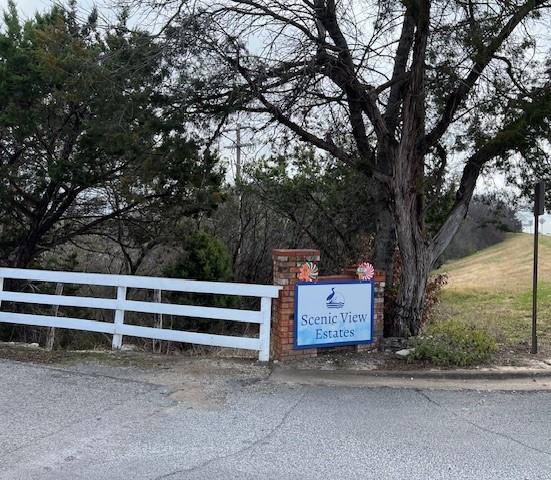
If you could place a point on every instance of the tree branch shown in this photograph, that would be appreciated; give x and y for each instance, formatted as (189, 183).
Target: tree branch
(357, 93)
(481, 61)
(277, 114)
(400, 64)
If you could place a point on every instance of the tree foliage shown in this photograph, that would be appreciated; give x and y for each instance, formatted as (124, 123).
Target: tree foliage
(329, 204)
(86, 135)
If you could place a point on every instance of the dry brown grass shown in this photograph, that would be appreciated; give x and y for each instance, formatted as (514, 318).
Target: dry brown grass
(506, 266)
(492, 289)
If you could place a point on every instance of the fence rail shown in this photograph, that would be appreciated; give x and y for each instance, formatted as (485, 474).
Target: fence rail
(121, 304)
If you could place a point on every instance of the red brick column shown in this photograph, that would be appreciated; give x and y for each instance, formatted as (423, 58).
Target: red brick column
(378, 312)
(287, 265)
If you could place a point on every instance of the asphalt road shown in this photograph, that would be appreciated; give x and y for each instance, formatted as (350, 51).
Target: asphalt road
(96, 422)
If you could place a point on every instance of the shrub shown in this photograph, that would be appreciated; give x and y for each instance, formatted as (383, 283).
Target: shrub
(452, 343)
(204, 257)
(432, 295)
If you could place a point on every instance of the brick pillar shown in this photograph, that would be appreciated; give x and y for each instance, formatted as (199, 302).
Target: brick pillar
(287, 265)
(378, 312)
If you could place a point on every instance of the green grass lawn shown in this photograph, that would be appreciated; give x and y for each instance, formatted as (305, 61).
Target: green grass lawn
(493, 289)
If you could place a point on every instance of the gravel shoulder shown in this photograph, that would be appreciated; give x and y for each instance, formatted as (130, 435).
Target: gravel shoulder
(212, 372)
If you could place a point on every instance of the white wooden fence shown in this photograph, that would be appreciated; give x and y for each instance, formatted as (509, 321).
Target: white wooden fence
(121, 304)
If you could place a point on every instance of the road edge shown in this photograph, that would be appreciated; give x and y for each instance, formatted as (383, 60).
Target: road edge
(484, 380)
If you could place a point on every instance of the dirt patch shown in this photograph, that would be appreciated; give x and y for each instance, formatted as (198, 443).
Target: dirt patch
(163, 369)
(28, 353)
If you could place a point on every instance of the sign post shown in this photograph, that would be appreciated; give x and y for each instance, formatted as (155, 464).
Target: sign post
(539, 209)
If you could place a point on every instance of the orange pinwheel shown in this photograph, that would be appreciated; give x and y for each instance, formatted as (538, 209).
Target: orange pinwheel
(308, 272)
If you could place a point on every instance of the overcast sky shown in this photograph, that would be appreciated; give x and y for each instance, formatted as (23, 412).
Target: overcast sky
(28, 7)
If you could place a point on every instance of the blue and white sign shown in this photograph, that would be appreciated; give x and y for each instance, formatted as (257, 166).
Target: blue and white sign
(333, 314)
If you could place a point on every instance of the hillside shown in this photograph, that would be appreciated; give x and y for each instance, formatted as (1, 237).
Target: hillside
(493, 288)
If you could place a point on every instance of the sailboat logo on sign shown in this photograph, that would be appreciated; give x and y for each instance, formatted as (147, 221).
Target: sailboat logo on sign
(334, 300)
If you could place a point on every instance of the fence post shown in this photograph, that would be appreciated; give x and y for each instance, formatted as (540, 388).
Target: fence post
(157, 298)
(50, 337)
(119, 317)
(265, 327)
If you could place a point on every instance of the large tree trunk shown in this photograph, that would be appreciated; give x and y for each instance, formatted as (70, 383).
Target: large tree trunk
(408, 310)
(408, 190)
(416, 252)
(416, 265)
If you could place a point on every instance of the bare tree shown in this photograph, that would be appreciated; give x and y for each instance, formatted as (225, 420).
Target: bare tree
(392, 89)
